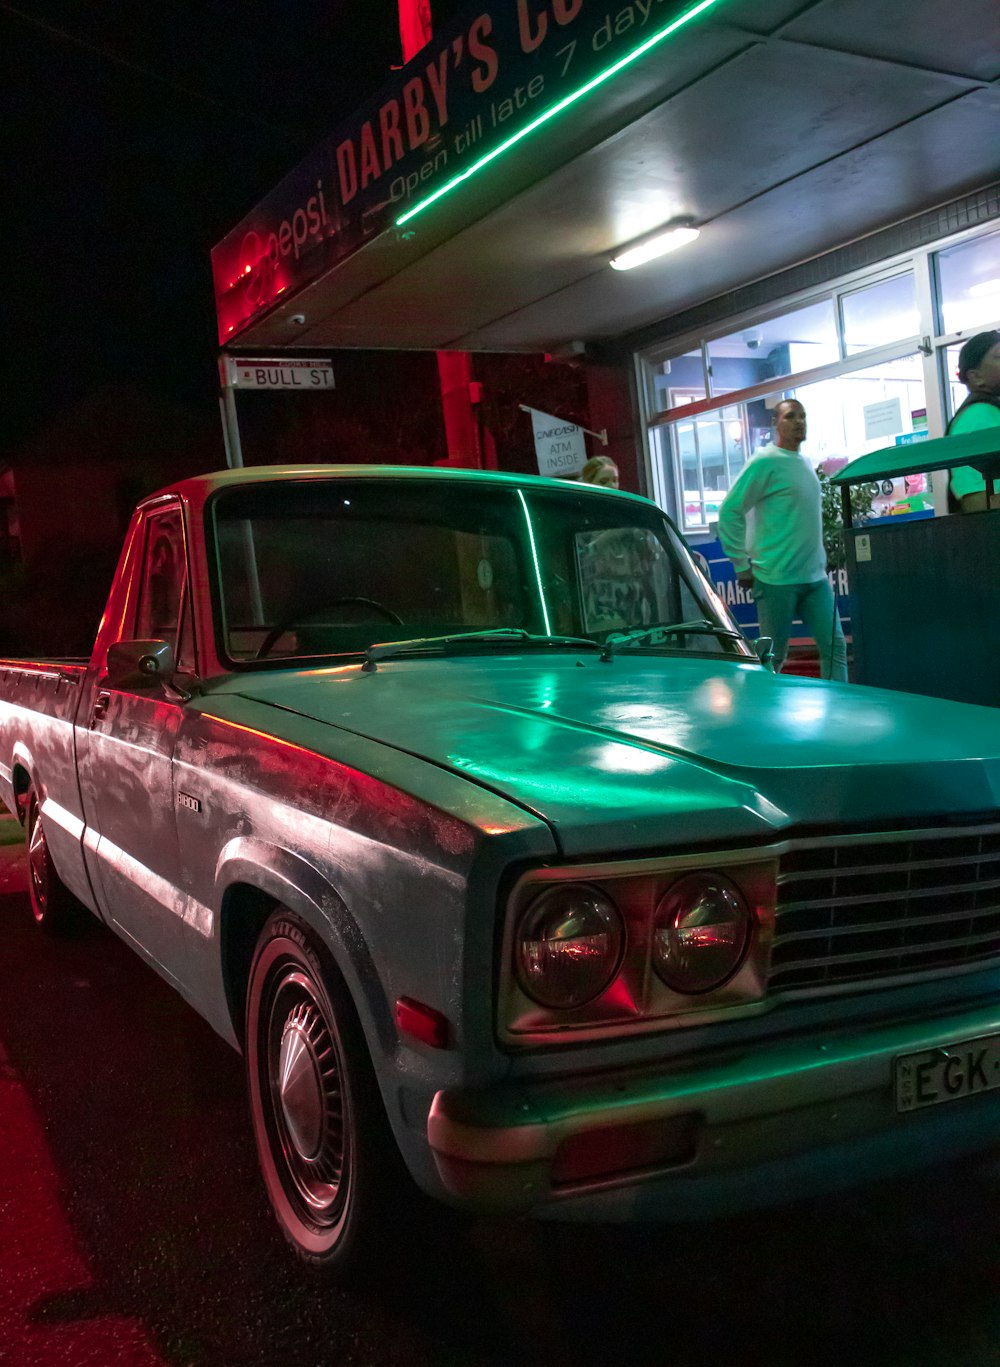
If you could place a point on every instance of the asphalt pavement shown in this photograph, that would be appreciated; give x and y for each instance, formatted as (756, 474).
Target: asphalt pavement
(10, 830)
(134, 1231)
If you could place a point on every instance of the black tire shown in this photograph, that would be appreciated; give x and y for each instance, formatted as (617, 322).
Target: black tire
(330, 1165)
(53, 906)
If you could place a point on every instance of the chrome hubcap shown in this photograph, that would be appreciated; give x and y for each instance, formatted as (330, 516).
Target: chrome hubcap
(38, 861)
(307, 1099)
(300, 1085)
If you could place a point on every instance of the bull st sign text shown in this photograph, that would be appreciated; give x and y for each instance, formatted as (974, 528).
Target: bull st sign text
(278, 372)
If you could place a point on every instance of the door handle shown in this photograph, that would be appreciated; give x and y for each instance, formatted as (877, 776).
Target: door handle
(100, 708)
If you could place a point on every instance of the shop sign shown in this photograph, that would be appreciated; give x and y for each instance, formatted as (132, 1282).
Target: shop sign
(559, 446)
(883, 419)
(740, 601)
(918, 420)
(277, 372)
(480, 81)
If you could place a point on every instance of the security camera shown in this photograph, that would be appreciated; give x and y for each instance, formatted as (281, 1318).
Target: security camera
(298, 318)
(753, 340)
(569, 351)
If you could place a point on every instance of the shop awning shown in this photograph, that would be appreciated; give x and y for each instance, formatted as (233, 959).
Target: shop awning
(474, 202)
(980, 449)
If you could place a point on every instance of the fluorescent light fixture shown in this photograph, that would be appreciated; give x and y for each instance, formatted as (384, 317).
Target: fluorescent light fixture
(658, 245)
(984, 289)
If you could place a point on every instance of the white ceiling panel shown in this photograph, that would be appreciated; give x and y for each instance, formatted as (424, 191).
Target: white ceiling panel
(963, 37)
(823, 209)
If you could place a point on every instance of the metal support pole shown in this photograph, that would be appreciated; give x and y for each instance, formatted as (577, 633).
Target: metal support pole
(234, 459)
(231, 427)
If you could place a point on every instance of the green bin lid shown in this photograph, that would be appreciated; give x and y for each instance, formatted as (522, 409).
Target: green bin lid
(980, 449)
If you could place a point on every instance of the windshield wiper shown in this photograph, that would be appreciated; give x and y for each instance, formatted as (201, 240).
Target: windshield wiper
(499, 636)
(699, 627)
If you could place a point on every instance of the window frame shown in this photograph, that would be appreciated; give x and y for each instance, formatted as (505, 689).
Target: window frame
(185, 640)
(662, 468)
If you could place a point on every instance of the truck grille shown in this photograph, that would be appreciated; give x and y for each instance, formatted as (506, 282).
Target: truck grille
(869, 907)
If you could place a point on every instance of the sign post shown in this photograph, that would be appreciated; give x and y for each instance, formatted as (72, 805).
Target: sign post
(230, 428)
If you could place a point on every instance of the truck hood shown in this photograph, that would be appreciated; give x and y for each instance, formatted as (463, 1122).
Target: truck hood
(649, 749)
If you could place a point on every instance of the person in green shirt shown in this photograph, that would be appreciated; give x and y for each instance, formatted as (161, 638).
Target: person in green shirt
(979, 370)
(771, 528)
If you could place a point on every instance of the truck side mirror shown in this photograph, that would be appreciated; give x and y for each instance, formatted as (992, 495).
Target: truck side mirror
(763, 648)
(140, 664)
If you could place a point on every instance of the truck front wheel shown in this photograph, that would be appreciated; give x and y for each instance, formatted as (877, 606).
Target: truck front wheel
(53, 906)
(328, 1161)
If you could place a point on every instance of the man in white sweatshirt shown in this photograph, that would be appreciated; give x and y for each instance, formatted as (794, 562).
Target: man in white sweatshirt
(783, 560)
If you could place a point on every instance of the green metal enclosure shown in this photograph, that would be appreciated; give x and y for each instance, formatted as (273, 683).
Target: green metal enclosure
(926, 606)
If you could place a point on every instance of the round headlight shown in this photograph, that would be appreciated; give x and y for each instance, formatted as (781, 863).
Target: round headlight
(569, 946)
(701, 932)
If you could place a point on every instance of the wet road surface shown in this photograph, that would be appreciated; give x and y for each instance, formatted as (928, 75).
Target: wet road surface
(133, 1229)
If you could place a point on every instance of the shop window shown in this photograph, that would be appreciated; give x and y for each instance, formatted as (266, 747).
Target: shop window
(850, 415)
(969, 284)
(695, 461)
(880, 314)
(677, 380)
(796, 341)
(957, 391)
(709, 450)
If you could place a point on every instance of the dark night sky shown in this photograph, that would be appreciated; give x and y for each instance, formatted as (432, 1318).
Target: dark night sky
(134, 137)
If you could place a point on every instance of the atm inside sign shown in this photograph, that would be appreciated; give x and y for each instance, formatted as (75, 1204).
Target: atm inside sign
(278, 373)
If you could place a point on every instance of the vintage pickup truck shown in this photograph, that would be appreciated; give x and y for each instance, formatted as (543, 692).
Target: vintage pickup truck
(457, 804)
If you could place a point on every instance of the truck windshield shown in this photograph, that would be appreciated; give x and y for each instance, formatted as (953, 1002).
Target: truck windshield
(320, 568)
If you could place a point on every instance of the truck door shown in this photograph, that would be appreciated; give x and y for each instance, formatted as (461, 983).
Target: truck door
(125, 757)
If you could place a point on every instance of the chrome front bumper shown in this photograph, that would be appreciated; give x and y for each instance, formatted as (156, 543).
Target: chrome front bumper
(672, 1138)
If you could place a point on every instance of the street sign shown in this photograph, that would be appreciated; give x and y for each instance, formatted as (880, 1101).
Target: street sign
(277, 372)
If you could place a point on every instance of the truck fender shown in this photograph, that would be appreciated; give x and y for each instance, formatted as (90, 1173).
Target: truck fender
(296, 884)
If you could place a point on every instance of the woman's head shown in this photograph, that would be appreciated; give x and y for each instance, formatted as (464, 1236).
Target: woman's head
(600, 470)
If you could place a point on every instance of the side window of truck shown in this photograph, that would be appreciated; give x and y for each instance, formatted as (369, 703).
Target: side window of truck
(163, 613)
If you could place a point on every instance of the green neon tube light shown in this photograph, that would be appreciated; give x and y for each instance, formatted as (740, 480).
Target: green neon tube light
(564, 103)
(538, 568)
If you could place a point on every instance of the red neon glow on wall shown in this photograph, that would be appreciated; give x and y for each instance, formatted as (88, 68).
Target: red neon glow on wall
(414, 26)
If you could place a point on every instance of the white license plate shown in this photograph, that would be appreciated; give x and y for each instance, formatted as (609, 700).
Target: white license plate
(946, 1074)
